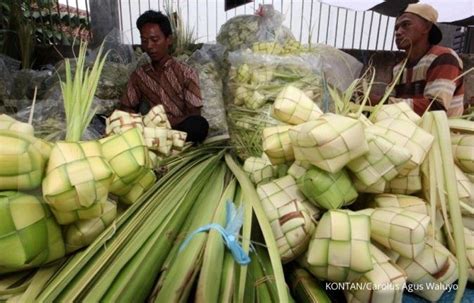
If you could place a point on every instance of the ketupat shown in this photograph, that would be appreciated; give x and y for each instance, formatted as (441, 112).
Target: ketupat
(433, 270)
(78, 176)
(156, 117)
(327, 190)
(292, 224)
(260, 169)
(340, 247)
(120, 121)
(292, 106)
(128, 157)
(23, 160)
(329, 142)
(83, 232)
(277, 144)
(381, 163)
(406, 134)
(29, 235)
(384, 284)
(400, 110)
(463, 151)
(398, 229)
(144, 182)
(9, 123)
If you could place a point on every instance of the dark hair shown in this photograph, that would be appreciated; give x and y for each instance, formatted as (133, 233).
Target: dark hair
(157, 18)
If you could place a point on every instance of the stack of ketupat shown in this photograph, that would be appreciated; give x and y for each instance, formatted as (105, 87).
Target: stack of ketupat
(413, 176)
(256, 77)
(54, 197)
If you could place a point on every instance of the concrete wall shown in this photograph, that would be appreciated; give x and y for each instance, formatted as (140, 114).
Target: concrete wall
(383, 61)
(104, 19)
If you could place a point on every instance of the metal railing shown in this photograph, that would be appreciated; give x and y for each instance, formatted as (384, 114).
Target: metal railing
(310, 21)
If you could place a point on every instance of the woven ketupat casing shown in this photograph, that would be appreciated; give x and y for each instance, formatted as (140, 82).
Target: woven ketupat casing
(157, 139)
(156, 117)
(407, 185)
(327, 190)
(121, 121)
(406, 134)
(261, 75)
(260, 170)
(29, 235)
(292, 106)
(292, 224)
(137, 189)
(433, 269)
(383, 284)
(22, 160)
(381, 163)
(178, 139)
(78, 177)
(277, 144)
(399, 110)
(298, 169)
(128, 157)
(84, 232)
(329, 142)
(463, 151)
(469, 240)
(411, 203)
(243, 74)
(8, 123)
(398, 229)
(254, 100)
(339, 249)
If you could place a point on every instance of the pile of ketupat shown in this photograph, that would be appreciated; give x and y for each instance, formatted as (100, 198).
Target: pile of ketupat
(383, 201)
(56, 197)
(256, 77)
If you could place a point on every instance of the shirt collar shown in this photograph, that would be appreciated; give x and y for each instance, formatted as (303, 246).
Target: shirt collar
(165, 63)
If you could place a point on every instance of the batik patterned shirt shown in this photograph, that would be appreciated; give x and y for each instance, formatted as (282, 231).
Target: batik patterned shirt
(432, 78)
(173, 84)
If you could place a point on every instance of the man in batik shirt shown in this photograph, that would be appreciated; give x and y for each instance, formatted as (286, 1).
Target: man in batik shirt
(165, 81)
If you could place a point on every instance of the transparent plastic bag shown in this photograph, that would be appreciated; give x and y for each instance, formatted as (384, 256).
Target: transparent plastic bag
(256, 79)
(243, 31)
(340, 69)
(207, 61)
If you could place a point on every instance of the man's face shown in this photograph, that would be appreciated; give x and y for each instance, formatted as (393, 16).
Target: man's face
(154, 42)
(409, 30)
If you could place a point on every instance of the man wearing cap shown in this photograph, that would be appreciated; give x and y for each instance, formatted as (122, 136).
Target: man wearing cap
(430, 78)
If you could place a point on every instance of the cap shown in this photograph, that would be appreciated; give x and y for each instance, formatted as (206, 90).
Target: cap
(428, 13)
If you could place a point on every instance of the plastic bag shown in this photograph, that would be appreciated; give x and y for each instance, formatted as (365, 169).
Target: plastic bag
(207, 61)
(340, 69)
(256, 78)
(243, 31)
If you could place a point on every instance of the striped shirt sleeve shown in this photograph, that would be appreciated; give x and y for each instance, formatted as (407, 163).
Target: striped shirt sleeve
(440, 80)
(440, 85)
